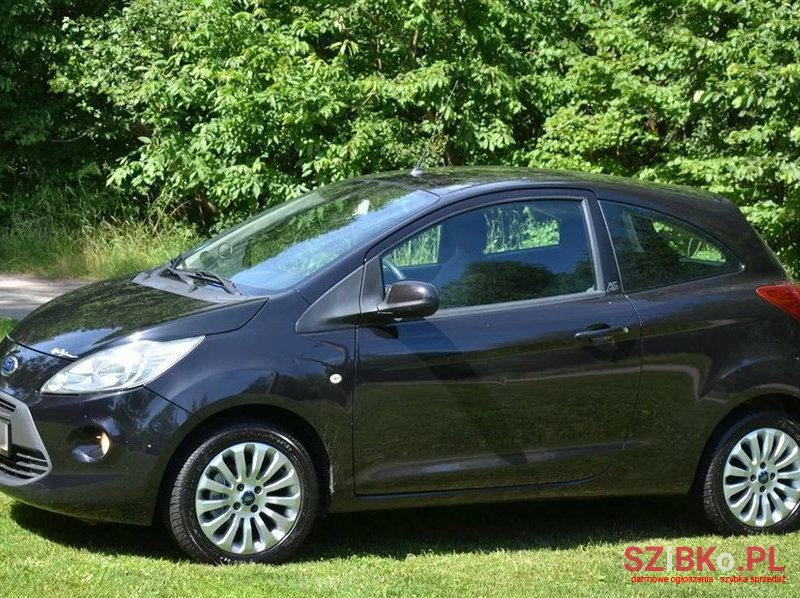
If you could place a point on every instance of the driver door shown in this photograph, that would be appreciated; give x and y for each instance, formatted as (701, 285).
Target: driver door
(528, 372)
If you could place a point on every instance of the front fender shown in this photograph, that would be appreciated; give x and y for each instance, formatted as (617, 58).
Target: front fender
(243, 371)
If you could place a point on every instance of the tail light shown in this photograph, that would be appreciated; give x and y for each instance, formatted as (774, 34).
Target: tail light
(785, 295)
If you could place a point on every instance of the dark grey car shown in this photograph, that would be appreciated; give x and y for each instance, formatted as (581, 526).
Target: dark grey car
(460, 336)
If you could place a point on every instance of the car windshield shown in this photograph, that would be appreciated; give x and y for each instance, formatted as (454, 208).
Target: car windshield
(280, 248)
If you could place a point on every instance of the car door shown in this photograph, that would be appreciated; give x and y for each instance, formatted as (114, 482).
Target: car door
(528, 372)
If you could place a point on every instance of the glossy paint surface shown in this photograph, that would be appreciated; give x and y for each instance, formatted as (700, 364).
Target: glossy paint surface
(471, 404)
(97, 315)
(123, 485)
(499, 397)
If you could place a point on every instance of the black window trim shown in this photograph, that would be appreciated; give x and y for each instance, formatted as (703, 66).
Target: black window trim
(448, 312)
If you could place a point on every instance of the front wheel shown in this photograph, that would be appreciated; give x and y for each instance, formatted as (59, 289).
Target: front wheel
(752, 478)
(247, 493)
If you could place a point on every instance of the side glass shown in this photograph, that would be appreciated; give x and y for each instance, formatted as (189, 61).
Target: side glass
(507, 252)
(655, 250)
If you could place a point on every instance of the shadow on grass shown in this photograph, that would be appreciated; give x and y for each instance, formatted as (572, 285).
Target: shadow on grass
(395, 534)
(106, 538)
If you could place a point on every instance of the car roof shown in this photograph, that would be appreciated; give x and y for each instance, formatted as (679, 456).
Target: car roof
(447, 182)
(712, 214)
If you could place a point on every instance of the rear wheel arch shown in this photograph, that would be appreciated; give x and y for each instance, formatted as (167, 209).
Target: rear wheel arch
(770, 402)
(747, 480)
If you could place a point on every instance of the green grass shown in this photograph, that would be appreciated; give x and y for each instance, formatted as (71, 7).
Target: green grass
(5, 326)
(560, 548)
(94, 251)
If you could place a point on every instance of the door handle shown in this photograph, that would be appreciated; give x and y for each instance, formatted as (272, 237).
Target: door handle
(605, 334)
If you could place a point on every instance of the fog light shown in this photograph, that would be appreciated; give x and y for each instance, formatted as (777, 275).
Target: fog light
(105, 443)
(89, 444)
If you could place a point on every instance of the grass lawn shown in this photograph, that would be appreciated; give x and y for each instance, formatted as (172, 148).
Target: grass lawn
(100, 251)
(555, 548)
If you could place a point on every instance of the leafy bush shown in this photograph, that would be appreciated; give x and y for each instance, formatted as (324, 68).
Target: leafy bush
(42, 134)
(52, 164)
(207, 110)
(695, 92)
(237, 105)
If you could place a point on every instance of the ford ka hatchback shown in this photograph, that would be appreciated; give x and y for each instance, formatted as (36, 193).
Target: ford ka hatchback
(460, 336)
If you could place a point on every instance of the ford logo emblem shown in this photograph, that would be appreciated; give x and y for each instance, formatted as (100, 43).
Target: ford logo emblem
(9, 366)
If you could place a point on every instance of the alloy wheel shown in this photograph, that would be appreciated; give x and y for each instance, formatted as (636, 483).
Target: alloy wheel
(761, 477)
(248, 498)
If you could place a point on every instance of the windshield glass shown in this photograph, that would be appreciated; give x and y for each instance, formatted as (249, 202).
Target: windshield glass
(285, 245)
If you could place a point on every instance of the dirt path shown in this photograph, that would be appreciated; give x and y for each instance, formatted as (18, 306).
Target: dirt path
(21, 294)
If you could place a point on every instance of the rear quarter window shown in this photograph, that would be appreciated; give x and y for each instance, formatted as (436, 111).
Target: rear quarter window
(655, 250)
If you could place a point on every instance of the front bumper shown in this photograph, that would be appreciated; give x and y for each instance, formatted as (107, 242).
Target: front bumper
(27, 460)
(56, 464)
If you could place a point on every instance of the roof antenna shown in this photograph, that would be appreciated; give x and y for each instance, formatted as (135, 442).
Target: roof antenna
(417, 170)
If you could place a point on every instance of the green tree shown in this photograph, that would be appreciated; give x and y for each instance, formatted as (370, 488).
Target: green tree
(46, 137)
(700, 92)
(239, 104)
(211, 109)
(40, 131)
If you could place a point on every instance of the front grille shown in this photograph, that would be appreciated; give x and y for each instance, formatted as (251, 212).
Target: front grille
(6, 406)
(28, 460)
(24, 464)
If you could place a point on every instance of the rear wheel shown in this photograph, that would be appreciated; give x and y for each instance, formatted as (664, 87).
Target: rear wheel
(752, 479)
(248, 493)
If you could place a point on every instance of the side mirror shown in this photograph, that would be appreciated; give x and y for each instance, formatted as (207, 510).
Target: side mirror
(409, 299)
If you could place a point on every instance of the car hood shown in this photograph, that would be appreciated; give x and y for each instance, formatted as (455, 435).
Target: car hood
(109, 312)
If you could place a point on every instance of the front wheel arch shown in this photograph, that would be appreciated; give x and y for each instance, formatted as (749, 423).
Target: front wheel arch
(220, 486)
(282, 418)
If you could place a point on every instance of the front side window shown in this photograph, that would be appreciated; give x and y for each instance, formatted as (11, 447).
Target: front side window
(507, 252)
(654, 250)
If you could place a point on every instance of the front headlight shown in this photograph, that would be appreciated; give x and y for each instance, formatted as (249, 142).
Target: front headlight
(118, 368)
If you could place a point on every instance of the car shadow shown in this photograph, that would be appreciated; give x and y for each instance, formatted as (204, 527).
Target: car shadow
(559, 524)
(396, 534)
(104, 538)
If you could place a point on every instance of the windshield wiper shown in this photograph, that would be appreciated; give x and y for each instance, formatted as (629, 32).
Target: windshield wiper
(179, 274)
(225, 283)
(190, 276)
(177, 260)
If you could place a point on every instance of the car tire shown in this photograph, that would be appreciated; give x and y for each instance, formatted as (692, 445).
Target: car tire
(751, 480)
(247, 493)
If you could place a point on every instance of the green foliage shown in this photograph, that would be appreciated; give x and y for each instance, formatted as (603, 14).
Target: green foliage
(695, 92)
(515, 229)
(5, 326)
(89, 250)
(237, 105)
(208, 110)
(507, 230)
(24, 105)
(688, 245)
(41, 133)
